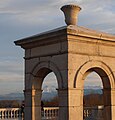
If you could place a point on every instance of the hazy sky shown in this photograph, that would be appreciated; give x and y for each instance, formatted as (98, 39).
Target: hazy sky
(22, 18)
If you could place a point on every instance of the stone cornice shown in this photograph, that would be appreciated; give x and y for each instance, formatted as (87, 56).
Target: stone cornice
(89, 33)
(50, 37)
(61, 34)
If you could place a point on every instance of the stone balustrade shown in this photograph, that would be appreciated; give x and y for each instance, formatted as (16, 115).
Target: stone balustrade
(90, 113)
(10, 113)
(50, 113)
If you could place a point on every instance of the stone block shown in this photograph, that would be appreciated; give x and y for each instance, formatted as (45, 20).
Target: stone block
(47, 50)
(30, 64)
(28, 81)
(27, 53)
(83, 48)
(75, 61)
(61, 61)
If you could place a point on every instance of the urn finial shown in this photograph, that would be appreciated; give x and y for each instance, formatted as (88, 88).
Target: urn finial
(71, 13)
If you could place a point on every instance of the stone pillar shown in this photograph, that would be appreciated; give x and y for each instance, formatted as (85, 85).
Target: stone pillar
(36, 104)
(113, 104)
(107, 104)
(70, 104)
(63, 104)
(33, 104)
(28, 105)
(75, 104)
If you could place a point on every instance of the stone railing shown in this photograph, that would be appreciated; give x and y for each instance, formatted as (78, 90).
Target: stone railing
(89, 113)
(10, 113)
(50, 113)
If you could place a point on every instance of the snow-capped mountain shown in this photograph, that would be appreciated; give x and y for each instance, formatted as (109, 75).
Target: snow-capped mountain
(49, 89)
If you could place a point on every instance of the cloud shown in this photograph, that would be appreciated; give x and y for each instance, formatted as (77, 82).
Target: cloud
(22, 18)
(96, 13)
(93, 79)
(11, 75)
(46, 13)
(50, 80)
(11, 71)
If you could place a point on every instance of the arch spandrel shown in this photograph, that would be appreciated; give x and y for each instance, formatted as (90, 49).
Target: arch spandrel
(42, 69)
(100, 68)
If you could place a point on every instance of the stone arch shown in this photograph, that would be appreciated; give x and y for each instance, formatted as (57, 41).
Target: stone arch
(107, 78)
(100, 68)
(42, 69)
(36, 78)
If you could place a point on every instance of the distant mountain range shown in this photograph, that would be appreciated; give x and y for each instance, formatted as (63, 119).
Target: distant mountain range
(93, 87)
(49, 95)
(93, 90)
(12, 96)
(50, 92)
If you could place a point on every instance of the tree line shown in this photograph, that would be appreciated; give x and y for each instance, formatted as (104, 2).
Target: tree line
(88, 100)
(10, 103)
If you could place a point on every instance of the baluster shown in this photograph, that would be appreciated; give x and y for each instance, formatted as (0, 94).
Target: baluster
(84, 113)
(49, 113)
(45, 114)
(4, 114)
(7, 114)
(53, 115)
(18, 113)
(1, 114)
(12, 114)
(15, 114)
(54, 111)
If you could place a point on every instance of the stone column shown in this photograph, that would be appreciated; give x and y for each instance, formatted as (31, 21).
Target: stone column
(33, 104)
(107, 104)
(113, 104)
(36, 104)
(28, 105)
(70, 104)
(75, 104)
(63, 104)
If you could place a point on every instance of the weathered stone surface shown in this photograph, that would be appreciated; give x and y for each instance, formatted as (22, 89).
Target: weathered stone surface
(71, 52)
(71, 13)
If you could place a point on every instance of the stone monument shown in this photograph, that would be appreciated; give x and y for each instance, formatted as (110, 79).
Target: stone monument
(71, 52)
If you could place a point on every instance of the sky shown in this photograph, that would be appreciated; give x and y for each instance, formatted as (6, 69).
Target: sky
(23, 18)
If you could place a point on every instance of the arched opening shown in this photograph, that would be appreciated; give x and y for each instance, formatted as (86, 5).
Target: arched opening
(44, 85)
(49, 100)
(107, 77)
(49, 90)
(93, 102)
(97, 105)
